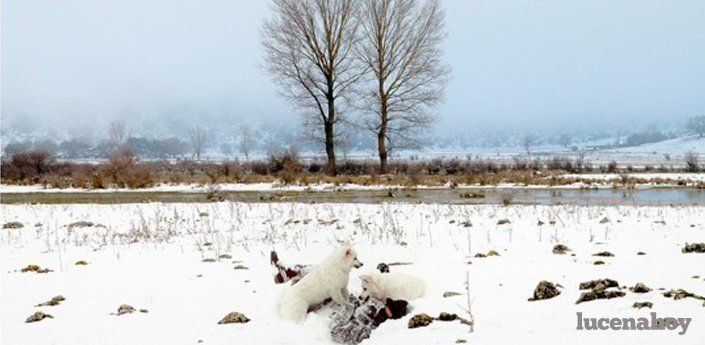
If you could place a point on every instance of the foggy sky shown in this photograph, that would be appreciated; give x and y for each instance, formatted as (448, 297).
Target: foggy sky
(82, 63)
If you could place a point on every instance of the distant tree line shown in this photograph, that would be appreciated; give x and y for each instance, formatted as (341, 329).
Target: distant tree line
(246, 141)
(78, 148)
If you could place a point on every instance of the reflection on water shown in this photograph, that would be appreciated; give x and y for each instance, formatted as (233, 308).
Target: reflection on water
(647, 196)
(545, 196)
(538, 196)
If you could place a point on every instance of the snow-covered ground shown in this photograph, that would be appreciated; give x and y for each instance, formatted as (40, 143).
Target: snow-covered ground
(675, 146)
(675, 177)
(151, 256)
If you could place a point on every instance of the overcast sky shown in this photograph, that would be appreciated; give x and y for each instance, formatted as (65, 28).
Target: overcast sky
(72, 62)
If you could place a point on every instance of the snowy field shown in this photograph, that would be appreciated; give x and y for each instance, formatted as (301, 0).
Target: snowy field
(151, 256)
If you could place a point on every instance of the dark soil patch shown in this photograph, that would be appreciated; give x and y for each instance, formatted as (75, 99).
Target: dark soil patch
(81, 224)
(38, 316)
(598, 290)
(56, 300)
(560, 249)
(234, 317)
(681, 294)
(639, 305)
(420, 320)
(694, 248)
(545, 290)
(13, 225)
(640, 288)
(605, 283)
(125, 309)
(36, 268)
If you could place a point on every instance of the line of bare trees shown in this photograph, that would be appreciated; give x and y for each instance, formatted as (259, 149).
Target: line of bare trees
(379, 60)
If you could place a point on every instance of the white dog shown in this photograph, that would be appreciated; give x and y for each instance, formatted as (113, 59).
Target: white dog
(327, 280)
(392, 285)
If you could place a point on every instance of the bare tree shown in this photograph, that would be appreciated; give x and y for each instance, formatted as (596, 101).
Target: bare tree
(400, 46)
(117, 133)
(527, 143)
(308, 48)
(696, 124)
(245, 141)
(691, 162)
(198, 141)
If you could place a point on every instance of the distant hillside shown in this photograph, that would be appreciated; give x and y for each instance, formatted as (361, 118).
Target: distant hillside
(674, 146)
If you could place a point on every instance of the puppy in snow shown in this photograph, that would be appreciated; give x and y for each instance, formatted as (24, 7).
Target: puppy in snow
(396, 286)
(327, 280)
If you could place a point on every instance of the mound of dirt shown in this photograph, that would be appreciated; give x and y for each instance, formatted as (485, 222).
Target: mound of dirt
(13, 225)
(640, 288)
(599, 294)
(423, 319)
(36, 268)
(599, 290)
(125, 309)
(681, 294)
(447, 317)
(451, 294)
(694, 248)
(38, 316)
(639, 305)
(81, 224)
(490, 253)
(420, 320)
(56, 300)
(382, 267)
(605, 283)
(603, 254)
(560, 249)
(503, 221)
(234, 317)
(545, 290)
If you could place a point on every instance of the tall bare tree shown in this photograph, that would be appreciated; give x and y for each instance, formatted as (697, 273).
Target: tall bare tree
(117, 133)
(198, 141)
(308, 48)
(400, 46)
(245, 141)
